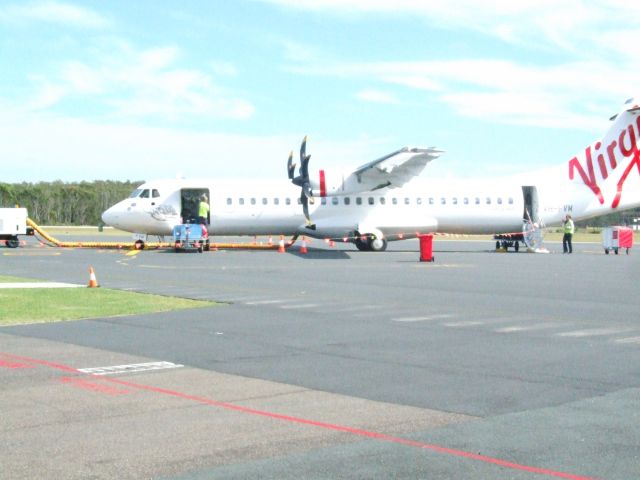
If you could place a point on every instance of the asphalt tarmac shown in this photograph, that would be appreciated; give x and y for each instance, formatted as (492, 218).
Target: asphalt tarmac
(333, 364)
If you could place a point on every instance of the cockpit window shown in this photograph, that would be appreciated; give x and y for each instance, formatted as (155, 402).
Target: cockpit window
(135, 193)
(629, 101)
(145, 194)
(155, 193)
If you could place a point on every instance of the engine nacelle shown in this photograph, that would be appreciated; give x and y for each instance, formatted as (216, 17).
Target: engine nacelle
(332, 182)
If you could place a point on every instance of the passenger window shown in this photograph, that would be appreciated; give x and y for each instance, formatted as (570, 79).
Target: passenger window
(229, 201)
(499, 201)
(323, 201)
(299, 201)
(371, 200)
(394, 200)
(510, 201)
(455, 200)
(241, 201)
(155, 193)
(430, 200)
(383, 201)
(335, 200)
(418, 201)
(264, 201)
(358, 200)
(287, 201)
(276, 201)
(253, 201)
(477, 200)
(443, 201)
(488, 200)
(407, 201)
(466, 200)
(145, 194)
(347, 200)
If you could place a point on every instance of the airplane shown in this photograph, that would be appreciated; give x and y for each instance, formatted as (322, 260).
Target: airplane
(386, 200)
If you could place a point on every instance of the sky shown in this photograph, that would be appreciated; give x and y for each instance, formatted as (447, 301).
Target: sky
(121, 90)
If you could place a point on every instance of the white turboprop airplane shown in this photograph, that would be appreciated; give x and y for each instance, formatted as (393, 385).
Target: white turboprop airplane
(381, 201)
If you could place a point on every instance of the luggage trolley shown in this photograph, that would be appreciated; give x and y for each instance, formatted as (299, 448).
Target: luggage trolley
(190, 236)
(615, 238)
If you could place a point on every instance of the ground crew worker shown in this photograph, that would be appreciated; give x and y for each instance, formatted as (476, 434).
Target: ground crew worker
(569, 229)
(203, 211)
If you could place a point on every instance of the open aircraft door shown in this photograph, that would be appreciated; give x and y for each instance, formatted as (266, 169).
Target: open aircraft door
(189, 202)
(531, 228)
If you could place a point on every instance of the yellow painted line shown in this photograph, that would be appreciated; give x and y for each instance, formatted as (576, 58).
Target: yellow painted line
(132, 253)
(29, 253)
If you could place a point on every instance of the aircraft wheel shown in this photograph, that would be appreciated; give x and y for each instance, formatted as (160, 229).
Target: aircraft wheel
(516, 247)
(13, 242)
(139, 245)
(377, 244)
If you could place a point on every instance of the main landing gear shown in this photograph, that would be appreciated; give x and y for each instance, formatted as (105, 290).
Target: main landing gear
(370, 243)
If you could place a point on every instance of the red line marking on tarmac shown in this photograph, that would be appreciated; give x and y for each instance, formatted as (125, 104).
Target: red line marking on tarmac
(92, 386)
(14, 365)
(304, 421)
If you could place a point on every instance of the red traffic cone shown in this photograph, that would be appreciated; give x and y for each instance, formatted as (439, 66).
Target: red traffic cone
(303, 246)
(281, 245)
(93, 282)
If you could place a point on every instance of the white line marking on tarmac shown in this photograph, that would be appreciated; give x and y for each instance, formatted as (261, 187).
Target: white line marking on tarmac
(134, 367)
(264, 302)
(592, 332)
(635, 340)
(468, 323)
(295, 306)
(424, 318)
(529, 328)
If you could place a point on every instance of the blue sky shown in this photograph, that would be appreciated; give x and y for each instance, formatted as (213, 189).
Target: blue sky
(151, 89)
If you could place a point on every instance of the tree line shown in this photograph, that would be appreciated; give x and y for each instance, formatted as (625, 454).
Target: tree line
(82, 203)
(63, 203)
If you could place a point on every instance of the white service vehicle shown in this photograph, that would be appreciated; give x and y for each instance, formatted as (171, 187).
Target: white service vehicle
(13, 222)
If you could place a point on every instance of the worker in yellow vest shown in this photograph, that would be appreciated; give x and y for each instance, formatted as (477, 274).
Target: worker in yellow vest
(203, 211)
(569, 229)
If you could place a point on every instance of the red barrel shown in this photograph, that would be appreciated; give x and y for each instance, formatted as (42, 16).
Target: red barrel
(426, 247)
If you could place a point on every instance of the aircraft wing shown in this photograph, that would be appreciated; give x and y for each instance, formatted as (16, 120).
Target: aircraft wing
(397, 168)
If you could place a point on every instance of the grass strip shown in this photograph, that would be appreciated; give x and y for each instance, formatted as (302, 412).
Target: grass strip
(22, 306)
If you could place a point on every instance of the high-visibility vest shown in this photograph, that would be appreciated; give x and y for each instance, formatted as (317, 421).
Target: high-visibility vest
(203, 209)
(569, 227)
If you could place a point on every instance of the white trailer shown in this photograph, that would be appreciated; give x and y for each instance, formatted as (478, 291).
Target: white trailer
(13, 222)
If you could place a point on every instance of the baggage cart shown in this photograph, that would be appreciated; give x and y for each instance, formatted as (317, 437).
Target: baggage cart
(190, 236)
(616, 238)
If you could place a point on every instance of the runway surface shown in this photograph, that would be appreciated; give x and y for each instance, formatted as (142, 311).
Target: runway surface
(334, 364)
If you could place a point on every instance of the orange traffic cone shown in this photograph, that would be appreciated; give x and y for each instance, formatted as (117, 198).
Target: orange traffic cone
(93, 282)
(270, 241)
(303, 246)
(332, 243)
(281, 245)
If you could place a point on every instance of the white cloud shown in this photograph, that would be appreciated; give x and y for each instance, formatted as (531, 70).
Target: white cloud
(377, 96)
(141, 83)
(78, 149)
(53, 12)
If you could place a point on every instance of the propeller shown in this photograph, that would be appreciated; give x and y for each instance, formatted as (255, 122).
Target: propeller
(302, 180)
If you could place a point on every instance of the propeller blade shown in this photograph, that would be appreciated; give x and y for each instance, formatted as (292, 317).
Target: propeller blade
(304, 168)
(305, 209)
(291, 167)
(303, 148)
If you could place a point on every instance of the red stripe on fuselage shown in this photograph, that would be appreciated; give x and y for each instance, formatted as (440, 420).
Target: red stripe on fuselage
(323, 184)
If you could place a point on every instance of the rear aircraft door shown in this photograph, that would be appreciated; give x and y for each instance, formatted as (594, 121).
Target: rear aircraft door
(189, 201)
(530, 213)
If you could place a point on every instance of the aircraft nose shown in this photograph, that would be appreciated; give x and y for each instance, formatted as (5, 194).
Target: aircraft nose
(111, 216)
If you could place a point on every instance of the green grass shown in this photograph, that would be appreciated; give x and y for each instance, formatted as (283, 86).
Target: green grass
(21, 306)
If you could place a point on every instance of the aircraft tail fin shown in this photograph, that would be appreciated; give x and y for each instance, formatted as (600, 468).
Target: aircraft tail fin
(607, 166)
